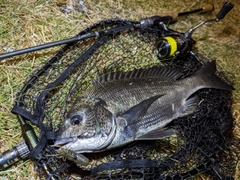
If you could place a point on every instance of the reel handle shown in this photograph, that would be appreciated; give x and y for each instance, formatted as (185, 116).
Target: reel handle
(227, 6)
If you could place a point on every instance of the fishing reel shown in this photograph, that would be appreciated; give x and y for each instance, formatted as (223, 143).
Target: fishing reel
(174, 44)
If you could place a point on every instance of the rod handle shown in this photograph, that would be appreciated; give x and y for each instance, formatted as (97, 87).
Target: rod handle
(173, 15)
(208, 8)
(20, 151)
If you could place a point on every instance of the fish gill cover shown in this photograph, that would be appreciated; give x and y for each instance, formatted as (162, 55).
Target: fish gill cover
(203, 143)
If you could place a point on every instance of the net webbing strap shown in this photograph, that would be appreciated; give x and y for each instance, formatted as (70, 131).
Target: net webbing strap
(38, 115)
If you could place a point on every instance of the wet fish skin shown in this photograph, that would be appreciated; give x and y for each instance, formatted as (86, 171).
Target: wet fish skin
(124, 107)
(92, 132)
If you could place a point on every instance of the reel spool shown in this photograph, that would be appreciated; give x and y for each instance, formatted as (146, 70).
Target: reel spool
(168, 46)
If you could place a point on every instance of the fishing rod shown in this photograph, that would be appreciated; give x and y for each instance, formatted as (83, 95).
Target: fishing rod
(173, 18)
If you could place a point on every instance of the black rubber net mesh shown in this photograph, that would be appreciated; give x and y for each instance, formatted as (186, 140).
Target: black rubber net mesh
(203, 144)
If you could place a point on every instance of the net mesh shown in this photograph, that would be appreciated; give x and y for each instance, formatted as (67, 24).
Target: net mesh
(203, 145)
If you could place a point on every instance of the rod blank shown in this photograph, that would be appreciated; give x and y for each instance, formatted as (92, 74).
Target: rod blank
(47, 45)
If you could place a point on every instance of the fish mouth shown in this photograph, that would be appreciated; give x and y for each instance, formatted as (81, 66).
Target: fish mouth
(63, 141)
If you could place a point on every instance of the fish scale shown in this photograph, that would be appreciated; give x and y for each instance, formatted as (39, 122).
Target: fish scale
(133, 94)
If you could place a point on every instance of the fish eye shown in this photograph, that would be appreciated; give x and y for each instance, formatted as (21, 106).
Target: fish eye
(76, 119)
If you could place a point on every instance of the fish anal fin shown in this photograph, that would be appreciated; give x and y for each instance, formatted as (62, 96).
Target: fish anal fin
(191, 106)
(157, 134)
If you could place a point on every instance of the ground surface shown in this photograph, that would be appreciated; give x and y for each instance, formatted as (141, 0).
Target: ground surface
(32, 22)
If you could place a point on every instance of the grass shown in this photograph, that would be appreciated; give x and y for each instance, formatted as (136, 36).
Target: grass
(28, 23)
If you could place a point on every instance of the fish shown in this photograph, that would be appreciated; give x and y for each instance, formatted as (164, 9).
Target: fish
(123, 107)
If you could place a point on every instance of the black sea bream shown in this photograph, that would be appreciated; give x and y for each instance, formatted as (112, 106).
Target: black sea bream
(123, 107)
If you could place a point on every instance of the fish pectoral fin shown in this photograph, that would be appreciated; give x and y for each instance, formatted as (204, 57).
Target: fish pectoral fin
(139, 110)
(157, 134)
(190, 106)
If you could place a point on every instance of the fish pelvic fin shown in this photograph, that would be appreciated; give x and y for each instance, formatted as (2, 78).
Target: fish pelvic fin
(159, 133)
(136, 112)
(207, 73)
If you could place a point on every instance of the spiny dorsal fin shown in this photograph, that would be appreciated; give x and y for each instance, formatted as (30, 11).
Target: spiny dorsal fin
(164, 72)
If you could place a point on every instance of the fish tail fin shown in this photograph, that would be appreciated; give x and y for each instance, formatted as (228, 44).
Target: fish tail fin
(211, 80)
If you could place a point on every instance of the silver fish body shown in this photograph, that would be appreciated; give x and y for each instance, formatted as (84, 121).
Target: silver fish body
(124, 107)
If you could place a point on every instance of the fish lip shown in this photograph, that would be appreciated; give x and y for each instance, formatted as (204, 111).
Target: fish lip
(63, 141)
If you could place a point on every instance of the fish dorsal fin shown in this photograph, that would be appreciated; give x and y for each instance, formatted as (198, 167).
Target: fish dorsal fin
(161, 72)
